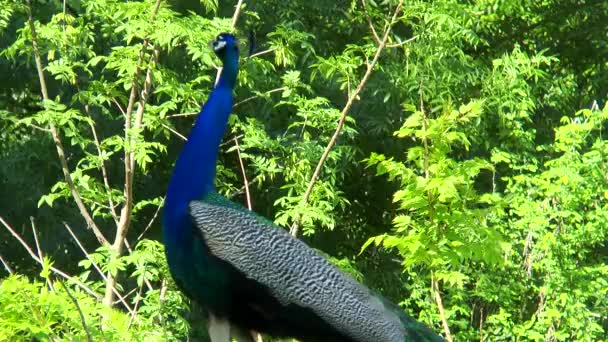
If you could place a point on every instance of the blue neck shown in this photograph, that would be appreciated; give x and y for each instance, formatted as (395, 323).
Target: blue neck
(194, 172)
(229, 73)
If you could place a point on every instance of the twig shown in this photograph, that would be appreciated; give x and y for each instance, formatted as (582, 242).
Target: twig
(446, 327)
(35, 257)
(237, 12)
(481, 324)
(132, 291)
(401, 43)
(104, 171)
(183, 137)
(182, 114)
(39, 128)
(351, 99)
(36, 238)
(160, 206)
(258, 54)
(35, 233)
(141, 287)
(256, 96)
(5, 264)
(82, 319)
(119, 107)
(87, 255)
(245, 181)
(375, 34)
(242, 189)
(228, 141)
(369, 22)
(56, 137)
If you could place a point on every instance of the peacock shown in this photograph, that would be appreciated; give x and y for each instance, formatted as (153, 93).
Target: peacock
(248, 274)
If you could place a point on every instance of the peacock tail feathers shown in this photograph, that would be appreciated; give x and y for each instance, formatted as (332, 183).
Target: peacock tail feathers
(298, 276)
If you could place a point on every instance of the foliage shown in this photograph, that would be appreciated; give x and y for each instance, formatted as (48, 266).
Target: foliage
(32, 311)
(471, 168)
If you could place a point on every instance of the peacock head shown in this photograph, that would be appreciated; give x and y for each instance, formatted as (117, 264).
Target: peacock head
(225, 47)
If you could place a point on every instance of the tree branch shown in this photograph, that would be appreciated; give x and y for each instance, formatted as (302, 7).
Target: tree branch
(181, 136)
(129, 159)
(55, 270)
(137, 301)
(40, 255)
(88, 256)
(370, 23)
(256, 96)
(237, 13)
(245, 181)
(160, 206)
(56, 137)
(82, 319)
(6, 265)
(182, 114)
(375, 34)
(104, 171)
(257, 54)
(35, 233)
(351, 99)
(437, 295)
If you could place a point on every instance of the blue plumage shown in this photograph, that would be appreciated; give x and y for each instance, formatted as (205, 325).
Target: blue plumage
(249, 274)
(192, 267)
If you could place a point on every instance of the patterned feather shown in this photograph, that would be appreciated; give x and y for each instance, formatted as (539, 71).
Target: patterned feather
(296, 276)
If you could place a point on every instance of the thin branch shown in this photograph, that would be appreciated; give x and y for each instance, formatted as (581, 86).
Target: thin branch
(35, 233)
(119, 107)
(258, 54)
(160, 206)
(396, 45)
(375, 34)
(237, 12)
(183, 137)
(245, 181)
(42, 129)
(370, 23)
(446, 327)
(229, 142)
(56, 137)
(82, 319)
(182, 114)
(137, 301)
(6, 265)
(35, 257)
(351, 99)
(256, 96)
(255, 180)
(132, 291)
(481, 324)
(40, 255)
(101, 273)
(104, 171)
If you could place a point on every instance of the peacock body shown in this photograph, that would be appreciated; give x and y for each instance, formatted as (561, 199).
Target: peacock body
(249, 274)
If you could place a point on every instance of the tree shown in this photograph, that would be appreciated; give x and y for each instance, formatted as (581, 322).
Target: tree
(467, 182)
